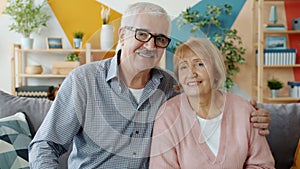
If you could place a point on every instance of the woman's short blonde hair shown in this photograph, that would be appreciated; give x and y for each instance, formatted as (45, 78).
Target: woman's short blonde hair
(207, 51)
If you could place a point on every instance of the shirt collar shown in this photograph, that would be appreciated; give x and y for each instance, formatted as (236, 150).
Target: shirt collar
(113, 68)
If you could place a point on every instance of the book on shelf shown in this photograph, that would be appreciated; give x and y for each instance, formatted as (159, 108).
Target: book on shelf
(274, 27)
(279, 56)
(41, 92)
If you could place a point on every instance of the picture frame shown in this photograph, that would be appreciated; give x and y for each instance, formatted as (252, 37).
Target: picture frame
(276, 42)
(54, 42)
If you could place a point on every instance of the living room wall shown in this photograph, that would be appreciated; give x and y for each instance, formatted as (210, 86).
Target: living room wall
(57, 26)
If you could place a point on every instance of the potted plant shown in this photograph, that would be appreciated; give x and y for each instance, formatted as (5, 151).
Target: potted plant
(77, 38)
(274, 85)
(64, 68)
(73, 57)
(27, 19)
(226, 39)
(106, 34)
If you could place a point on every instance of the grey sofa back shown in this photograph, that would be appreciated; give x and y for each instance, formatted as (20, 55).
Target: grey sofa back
(284, 132)
(35, 109)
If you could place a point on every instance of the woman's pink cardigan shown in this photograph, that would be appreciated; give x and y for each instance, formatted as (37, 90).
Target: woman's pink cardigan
(177, 141)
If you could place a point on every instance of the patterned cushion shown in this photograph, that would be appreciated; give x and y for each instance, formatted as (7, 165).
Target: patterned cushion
(14, 140)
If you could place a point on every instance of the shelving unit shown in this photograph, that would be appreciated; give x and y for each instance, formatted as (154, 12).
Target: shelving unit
(19, 56)
(259, 27)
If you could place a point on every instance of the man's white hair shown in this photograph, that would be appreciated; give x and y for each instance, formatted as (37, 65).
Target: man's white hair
(143, 8)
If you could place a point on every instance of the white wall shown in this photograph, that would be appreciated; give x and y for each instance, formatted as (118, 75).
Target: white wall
(174, 7)
(9, 37)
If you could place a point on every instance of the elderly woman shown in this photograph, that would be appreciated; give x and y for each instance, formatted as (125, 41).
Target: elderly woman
(205, 127)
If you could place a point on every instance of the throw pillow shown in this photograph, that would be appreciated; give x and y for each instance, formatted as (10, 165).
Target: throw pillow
(297, 158)
(14, 140)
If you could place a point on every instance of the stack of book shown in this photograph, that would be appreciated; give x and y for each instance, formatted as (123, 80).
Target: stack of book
(279, 56)
(274, 27)
(41, 92)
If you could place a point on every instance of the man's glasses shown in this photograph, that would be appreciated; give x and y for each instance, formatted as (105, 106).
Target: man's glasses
(142, 35)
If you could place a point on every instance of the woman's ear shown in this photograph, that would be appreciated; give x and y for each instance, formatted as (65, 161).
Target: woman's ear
(121, 36)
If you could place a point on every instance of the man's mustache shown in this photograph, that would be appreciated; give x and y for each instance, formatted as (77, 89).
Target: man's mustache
(145, 52)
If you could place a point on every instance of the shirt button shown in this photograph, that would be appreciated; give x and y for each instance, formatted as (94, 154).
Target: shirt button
(134, 153)
(137, 132)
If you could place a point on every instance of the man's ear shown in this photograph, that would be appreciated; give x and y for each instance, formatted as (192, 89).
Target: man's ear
(121, 36)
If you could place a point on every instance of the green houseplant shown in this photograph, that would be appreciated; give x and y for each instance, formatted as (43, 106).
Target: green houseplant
(72, 57)
(27, 18)
(274, 85)
(226, 39)
(77, 38)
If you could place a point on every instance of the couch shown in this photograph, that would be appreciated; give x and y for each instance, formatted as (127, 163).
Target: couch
(34, 109)
(284, 132)
(284, 126)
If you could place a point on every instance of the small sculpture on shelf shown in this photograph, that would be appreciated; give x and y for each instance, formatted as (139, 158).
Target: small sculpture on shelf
(273, 18)
(274, 85)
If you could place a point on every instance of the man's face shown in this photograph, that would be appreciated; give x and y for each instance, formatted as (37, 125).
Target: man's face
(142, 56)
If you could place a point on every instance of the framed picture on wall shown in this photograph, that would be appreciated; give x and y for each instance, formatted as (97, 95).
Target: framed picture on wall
(54, 42)
(276, 42)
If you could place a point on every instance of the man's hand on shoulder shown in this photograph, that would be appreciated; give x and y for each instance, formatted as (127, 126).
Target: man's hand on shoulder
(260, 119)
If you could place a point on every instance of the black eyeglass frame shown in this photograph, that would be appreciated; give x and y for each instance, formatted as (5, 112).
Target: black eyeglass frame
(151, 36)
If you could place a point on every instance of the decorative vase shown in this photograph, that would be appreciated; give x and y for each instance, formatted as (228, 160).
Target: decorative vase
(274, 93)
(106, 37)
(77, 43)
(273, 15)
(27, 43)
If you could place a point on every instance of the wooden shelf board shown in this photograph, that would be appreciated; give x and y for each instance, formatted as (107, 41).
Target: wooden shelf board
(281, 66)
(282, 99)
(64, 50)
(281, 31)
(43, 75)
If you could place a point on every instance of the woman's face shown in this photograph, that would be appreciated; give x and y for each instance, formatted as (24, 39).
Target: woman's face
(193, 75)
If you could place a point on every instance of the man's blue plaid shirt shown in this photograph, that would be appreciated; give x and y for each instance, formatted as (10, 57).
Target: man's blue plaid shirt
(96, 113)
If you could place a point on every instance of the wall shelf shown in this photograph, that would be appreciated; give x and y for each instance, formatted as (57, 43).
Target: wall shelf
(19, 59)
(266, 71)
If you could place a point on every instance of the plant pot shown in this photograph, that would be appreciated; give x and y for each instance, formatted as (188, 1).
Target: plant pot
(77, 43)
(27, 43)
(274, 93)
(106, 37)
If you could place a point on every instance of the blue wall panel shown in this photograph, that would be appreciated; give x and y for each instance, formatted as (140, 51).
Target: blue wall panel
(183, 33)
